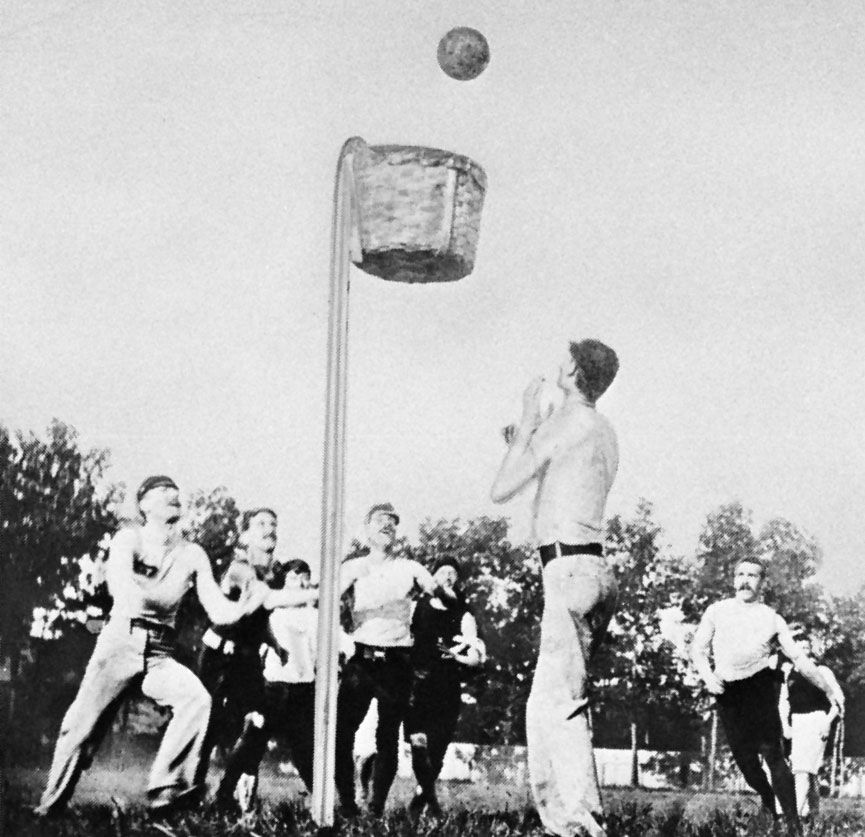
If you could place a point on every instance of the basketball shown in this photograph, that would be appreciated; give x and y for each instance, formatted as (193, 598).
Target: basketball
(463, 53)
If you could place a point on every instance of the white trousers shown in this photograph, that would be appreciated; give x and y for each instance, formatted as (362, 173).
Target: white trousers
(579, 599)
(123, 653)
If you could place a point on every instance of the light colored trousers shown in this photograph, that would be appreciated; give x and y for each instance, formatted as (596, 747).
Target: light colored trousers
(579, 599)
(122, 654)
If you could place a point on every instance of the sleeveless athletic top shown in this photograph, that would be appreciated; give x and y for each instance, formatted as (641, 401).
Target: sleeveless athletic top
(804, 696)
(157, 583)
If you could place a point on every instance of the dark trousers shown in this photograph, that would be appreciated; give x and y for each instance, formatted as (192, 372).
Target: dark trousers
(290, 716)
(434, 709)
(384, 674)
(236, 686)
(749, 713)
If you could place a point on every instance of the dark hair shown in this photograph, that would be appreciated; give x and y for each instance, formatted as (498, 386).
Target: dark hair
(296, 565)
(448, 561)
(596, 367)
(251, 513)
(755, 561)
(154, 482)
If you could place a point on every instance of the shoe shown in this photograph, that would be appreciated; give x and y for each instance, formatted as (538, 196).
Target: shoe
(415, 807)
(166, 800)
(348, 810)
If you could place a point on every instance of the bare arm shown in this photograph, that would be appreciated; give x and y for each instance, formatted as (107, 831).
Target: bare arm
(838, 703)
(290, 598)
(219, 609)
(118, 566)
(804, 664)
(470, 649)
(424, 580)
(700, 649)
(348, 574)
(520, 463)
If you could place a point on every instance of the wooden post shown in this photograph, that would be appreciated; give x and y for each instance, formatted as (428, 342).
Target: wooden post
(713, 749)
(343, 242)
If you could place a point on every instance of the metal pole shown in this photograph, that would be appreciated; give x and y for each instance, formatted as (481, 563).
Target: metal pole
(713, 749)
(342, 243)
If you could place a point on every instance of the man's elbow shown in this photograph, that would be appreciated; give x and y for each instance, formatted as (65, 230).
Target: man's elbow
(498, 494)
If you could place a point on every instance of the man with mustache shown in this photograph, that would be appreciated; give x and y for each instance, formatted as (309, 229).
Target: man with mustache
(741, 633)
(384, 587)
(231, 666)
(149, 570)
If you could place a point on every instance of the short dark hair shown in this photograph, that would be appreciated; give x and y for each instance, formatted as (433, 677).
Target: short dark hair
(448, 561)
(247, 517)
(596, 367)
(755, 561)
(155, 481)
(296, 565)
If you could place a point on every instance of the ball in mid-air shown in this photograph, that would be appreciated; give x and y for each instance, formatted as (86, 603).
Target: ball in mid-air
(463, 53)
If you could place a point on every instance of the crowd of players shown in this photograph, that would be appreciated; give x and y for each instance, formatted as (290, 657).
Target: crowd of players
(413, 638)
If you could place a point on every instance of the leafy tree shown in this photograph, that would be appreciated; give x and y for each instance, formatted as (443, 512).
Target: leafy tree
(55, 510)
(727, 538)
(640, 676)
(791, 559)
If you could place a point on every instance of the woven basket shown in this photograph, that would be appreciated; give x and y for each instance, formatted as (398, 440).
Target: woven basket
(420, 212)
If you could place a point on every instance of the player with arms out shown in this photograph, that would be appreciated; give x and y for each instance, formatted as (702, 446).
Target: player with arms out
(384, 587)
(150, 568)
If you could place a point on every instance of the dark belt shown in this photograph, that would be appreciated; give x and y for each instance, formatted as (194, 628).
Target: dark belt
(153, 627)
(553, 550)
(381, 653)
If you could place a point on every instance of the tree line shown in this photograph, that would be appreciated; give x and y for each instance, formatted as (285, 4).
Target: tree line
(57, 510)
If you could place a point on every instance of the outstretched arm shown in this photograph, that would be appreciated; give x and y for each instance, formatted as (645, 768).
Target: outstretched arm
(219, 609)
(290, 598)
(802, 661)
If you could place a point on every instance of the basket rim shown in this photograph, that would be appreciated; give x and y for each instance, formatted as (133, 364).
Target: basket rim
(430, 157)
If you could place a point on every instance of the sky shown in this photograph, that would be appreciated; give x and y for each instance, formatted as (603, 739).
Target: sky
(681, 180)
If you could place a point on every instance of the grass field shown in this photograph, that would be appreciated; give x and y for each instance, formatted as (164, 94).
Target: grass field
(109, 803)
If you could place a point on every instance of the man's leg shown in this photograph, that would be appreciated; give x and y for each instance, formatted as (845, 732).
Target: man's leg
(782, 778)
(299, 719)
(175, 767)
(247, 698)
(579, 595)
(117, 660)
(744, 746)
(213, 670)
(393, 690)
(353, 700)
(438, 699)
(802, 782)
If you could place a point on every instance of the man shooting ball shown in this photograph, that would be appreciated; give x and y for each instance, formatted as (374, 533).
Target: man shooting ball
(572, 457)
